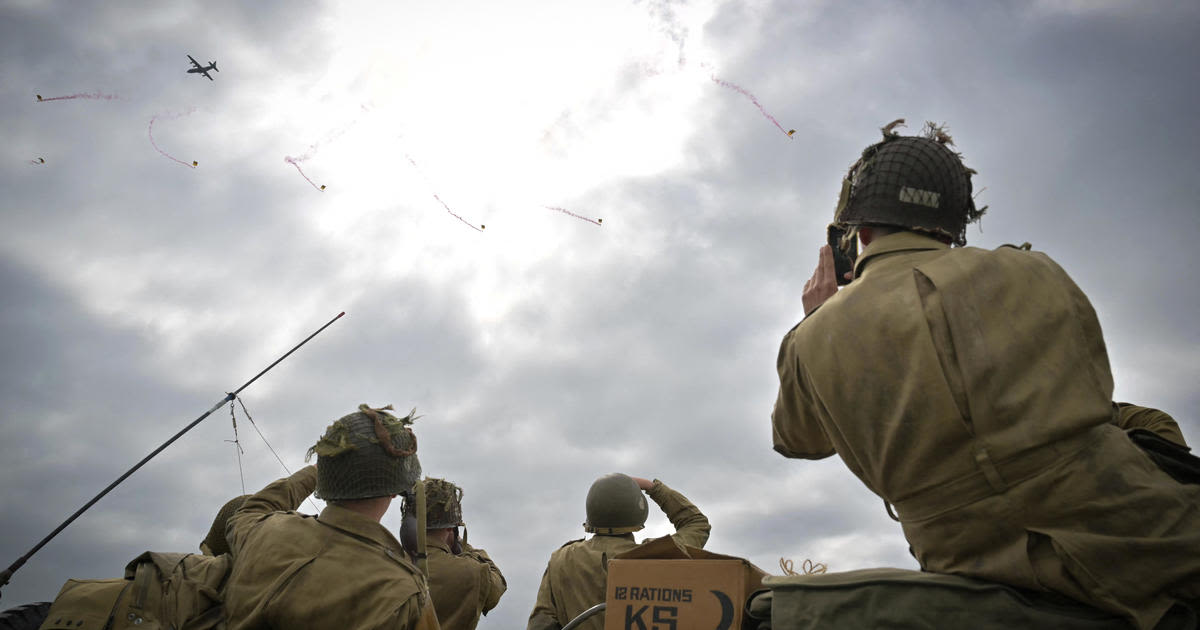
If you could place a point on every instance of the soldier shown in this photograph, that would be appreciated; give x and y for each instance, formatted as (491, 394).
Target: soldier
(463, 580)
(971, 389)
(341, 569)
(214, 544)
(576, 575)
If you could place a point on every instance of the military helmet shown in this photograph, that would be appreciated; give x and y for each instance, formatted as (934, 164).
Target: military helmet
(443, 504)
(369, 453)
(215, 540)
(615, 505)
(911, 182)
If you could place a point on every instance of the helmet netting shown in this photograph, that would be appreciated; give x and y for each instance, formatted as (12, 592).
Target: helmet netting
(913, 182)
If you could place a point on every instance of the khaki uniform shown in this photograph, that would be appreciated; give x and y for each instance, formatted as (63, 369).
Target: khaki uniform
(339, 570)
(463, 586)
(1130, 416)
(577, 573)
(971, 388)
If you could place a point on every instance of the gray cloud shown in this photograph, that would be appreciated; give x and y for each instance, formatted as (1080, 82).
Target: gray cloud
(138, 291)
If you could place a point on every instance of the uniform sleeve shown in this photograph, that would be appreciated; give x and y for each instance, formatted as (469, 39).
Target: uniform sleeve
(691, 525)
(794, 429)
(417, 613)
(1130, 416)
(543, 616)
(492, 583)
(281, 496)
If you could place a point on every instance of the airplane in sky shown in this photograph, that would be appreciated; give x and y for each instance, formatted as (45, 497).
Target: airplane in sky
(212, 65)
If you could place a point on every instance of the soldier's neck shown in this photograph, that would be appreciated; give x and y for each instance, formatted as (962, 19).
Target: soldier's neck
(373, 508)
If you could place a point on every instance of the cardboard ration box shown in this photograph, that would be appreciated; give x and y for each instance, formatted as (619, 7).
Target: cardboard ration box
(662, 585)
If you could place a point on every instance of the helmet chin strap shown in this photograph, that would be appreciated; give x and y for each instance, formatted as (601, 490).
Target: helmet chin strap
(422, 558)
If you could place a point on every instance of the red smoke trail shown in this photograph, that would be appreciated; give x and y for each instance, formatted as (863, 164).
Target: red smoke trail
(565, 211)
(71, 97)
(296, 162)
(752, 98)
(479, 228)
(150, 132)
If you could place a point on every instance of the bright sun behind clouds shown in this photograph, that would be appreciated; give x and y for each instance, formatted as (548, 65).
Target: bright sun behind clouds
(495, 124)
(464, 102)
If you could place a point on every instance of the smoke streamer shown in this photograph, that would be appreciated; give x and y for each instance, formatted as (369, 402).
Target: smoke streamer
(296, 162)
(568, 212)
(316, 146)
(753, 99)
(84, 95)
(150, 132)
(477, 228)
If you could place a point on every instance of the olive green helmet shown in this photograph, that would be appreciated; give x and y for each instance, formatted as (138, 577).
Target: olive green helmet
(366, 454)
(912, 182)
(215, 541)
(615, 505)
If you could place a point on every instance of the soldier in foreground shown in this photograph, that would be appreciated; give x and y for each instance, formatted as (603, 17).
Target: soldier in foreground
(463, 580)
(341, 569)
(576, 575)
(971, 389)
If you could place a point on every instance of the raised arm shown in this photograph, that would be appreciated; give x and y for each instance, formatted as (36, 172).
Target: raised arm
(280, 496)
(1130, 416)
(691, 525)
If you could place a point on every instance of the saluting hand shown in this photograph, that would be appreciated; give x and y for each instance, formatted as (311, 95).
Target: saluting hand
(822, 285)
(644, 484)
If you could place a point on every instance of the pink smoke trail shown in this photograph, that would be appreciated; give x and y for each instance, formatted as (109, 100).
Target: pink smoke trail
(753, 99)
(565, 211)
(479, 228)
(71, 97)
(314, 147)
(150, 132)
(296, 162)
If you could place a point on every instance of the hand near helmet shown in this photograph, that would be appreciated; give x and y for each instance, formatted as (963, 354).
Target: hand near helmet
(823, 283)
(644, 484)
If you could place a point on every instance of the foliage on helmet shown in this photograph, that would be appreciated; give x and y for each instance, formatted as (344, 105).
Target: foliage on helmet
(912, 182)
(369, 453)
(443, 504)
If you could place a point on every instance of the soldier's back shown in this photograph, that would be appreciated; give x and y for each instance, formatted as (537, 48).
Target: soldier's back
(337, 571)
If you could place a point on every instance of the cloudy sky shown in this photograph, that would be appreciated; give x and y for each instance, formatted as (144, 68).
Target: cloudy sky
(542, 349)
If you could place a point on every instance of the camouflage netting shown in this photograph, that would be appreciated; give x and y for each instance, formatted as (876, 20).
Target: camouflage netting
(912, 182)
(215, 540)
(443, 504)
(369, 453)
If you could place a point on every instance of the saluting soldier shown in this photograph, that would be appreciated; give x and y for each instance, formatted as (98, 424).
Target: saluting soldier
(577, 573)
(463, 580)
(971, 389)
(341, 569)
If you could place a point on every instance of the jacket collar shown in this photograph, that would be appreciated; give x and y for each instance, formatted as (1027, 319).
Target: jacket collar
(893, 243)
(358, 526)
